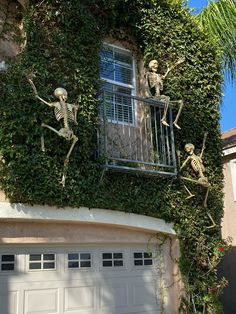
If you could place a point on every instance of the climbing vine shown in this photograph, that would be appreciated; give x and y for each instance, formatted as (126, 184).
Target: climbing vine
(63, 43)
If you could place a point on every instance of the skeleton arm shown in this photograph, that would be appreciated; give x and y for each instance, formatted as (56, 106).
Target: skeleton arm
(36, 93)
(167, 72)
(179, 61)
(203, 144)
(45, 102)
(185, 162)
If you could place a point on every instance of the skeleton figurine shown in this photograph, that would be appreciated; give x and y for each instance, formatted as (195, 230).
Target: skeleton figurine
(198, 167)
(155, 84)
(65, 111)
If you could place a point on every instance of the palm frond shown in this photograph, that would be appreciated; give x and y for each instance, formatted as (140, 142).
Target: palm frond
(218, 18)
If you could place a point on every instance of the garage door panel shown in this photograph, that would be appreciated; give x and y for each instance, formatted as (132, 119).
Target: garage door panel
(41, 301)
(77, 299)
(144, 294)
(90, 280)
(9, 302)
(114, 295)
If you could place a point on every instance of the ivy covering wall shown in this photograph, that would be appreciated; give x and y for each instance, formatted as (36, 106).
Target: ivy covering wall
(63, 43)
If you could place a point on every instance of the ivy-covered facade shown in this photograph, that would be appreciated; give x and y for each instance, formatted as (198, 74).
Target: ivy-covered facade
(62, 42)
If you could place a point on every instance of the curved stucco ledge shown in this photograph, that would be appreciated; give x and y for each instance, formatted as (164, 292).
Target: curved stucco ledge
(17, 211)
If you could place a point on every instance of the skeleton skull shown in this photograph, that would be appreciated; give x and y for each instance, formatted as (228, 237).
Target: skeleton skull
(60, 92)
(153, 65)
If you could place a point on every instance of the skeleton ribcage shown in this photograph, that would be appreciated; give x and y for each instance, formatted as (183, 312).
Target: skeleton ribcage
(67, 115)
(197, 165)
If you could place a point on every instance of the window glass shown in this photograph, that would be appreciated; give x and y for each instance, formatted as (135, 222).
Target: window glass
(118, 77)
(42, 261)
(79, 260)
(7, 262)
(143, 258)
(112, 259)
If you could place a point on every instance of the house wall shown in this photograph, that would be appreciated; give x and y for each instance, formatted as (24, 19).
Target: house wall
(227, 265)
(228, 221)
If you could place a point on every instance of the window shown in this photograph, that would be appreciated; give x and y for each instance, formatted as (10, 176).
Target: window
(79, 260)
(7, 262)
(143, 259)
(117, 74)
(42, 261)
(112, 259)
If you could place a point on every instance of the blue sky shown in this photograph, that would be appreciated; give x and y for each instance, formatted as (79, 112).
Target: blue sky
(228, 107)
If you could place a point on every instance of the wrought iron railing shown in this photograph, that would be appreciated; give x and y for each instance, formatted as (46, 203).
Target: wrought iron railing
(132, 136)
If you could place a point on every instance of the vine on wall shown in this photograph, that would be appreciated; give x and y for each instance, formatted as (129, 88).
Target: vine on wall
(63, 43)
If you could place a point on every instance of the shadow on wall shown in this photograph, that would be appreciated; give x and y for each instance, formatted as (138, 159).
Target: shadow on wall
(227, 269)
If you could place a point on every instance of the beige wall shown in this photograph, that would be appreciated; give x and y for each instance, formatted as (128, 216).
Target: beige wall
(229, 219)
(34, 232)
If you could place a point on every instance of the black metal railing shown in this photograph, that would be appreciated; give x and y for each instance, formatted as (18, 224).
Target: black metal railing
(132, 136)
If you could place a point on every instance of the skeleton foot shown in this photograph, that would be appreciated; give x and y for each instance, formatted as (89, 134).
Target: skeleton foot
(176, 125)
(63, 180)
(212, 220)
(163, 121)
(190, 196)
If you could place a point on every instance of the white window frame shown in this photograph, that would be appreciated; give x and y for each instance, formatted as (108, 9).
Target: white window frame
(142, 259)
(41, 261)
(107, 268)
(79, 261)
(233, 176)
(132, 87)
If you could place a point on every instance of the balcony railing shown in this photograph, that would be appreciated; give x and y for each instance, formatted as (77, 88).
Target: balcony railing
(132, 137)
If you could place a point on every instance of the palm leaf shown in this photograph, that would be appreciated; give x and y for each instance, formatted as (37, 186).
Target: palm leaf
(219, 19)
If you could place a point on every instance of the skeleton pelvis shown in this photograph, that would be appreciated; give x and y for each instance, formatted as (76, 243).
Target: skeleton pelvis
(66, 133)
(204, 181)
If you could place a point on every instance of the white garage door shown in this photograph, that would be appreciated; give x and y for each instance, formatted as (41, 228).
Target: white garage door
(78, 280)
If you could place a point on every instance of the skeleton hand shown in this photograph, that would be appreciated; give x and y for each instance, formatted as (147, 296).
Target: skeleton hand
(30, 77)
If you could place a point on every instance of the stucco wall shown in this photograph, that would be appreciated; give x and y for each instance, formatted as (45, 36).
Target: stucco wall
(228, 221)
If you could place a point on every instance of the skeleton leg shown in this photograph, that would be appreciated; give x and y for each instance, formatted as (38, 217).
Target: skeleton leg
(178, 114)
(190, 194)
(66, 162)
(74, 140)
(42, 143)
(166, 106)
(50, 128)
(212, 220)
(206, 197)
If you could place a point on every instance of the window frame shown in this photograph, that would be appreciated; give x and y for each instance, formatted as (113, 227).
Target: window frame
(132, 86)
(143, 259)
(2, 272)
(41, 261)
(79, 260)
(112, 267)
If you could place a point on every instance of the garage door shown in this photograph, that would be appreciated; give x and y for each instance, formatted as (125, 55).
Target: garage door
(79, 279)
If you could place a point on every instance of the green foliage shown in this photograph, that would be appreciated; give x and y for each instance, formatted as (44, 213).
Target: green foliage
(63, 43)
(218, 19)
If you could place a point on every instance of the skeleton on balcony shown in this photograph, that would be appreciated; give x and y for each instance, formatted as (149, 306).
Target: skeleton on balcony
(199, 169)
(155, 84)
(65, 111)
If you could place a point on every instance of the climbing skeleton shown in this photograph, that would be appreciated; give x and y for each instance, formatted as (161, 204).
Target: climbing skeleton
(155, 84)
(65, 111)
(198, 167)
